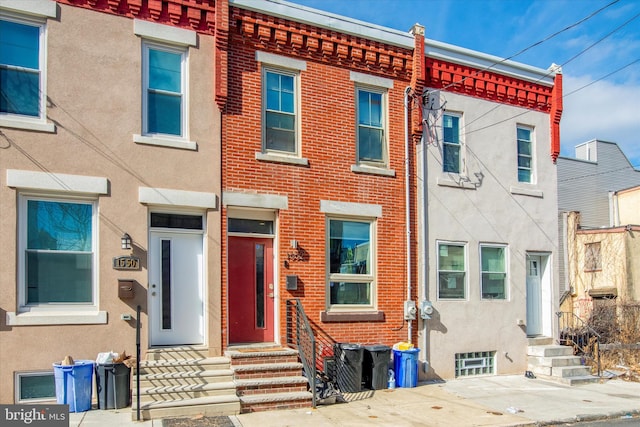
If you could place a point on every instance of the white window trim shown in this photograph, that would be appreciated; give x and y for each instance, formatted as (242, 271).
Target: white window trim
(362, 210)
(178, 198)
(506, 268)
(532, 134)
(18, 385)
(466, 269)
(275, 155)
(38, 11)
(158, 139)
(164, 33)
(371, 278)
(461, 146)
(384, 163)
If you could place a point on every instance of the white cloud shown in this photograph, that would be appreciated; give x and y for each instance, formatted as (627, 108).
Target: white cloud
(603, 110)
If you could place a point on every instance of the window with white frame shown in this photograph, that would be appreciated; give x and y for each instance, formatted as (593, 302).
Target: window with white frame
(493, 262)
(280, 111)
(58, 255)
(164, 97)
(21, 68)
(35, 386)
(451, 156)
(371, 129)
(525, 154)
(350, 252)
(452, 268)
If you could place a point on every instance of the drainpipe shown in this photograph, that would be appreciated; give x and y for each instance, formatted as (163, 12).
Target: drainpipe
(425, 235)
(407, 201)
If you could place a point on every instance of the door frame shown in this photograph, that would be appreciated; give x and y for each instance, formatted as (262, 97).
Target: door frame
(255, 214)
(545, 312)
(204, 269)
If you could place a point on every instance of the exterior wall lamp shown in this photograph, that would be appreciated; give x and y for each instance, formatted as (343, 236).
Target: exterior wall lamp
(125, 241)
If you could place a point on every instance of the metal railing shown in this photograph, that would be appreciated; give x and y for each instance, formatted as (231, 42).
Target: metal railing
(137, 363)
(575, 332)
(301, 336)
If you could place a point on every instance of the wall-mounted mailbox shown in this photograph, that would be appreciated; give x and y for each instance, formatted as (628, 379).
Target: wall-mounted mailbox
(292, 282)
(125, 289)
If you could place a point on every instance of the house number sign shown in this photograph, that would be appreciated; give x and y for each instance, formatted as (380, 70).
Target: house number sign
(126, 263)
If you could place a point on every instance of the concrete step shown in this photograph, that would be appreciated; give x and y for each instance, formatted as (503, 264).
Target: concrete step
(271, 385)
(273, 401)
(207, 406)
(186, 391)
(163, 366)
(553, 361)
(579, 380)
(549, 350)
(177, 353)
(253, 355)
(540, 341)
(570, 371)
(164, 379)
(267, 370)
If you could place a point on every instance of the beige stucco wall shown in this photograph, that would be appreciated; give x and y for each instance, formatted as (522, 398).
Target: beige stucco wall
(629, 206)
(94, 91)
(488, 205)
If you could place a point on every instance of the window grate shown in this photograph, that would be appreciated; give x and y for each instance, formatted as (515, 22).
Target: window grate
(475, 363)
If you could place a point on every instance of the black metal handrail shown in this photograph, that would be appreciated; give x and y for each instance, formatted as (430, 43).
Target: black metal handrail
(300, 335)
(138, 363)
(574, 331)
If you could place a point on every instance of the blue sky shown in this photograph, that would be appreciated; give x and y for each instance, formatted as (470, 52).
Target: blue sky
(603, 106)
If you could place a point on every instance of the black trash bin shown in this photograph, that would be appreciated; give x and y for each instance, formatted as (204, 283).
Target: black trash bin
(112, 385)
(375, 366)
(348, 367)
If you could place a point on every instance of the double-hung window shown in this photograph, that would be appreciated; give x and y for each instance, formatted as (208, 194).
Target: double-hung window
(451, 158)
(451, 271)
(164, 93)
(22, 62)
(525, 154)
(493, 262)
(371, 132)
(350, 251)
(58, 251)
(280, 121)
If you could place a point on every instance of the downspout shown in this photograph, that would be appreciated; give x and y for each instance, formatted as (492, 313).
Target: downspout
(425, 238)
(407, 202)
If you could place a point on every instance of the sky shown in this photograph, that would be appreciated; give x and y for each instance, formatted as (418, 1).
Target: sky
(600, 56)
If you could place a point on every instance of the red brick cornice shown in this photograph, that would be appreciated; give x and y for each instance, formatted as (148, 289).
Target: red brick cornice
(488, 85)
(307, 41)
(198, 15)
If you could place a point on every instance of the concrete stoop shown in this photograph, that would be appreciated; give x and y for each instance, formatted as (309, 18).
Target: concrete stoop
(268, 377)
(557, 362)
(184, 381)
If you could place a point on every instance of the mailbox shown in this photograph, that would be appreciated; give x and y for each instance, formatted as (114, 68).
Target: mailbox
(292, 282)
(125, 289)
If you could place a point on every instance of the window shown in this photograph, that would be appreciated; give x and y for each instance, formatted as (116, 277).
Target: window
(451, 143)
(35, 386)
(164, 90)
(351, 271)
(371, 136)
(58, 240)
(451, 271)
(279, 100)
(592, 257)
(21, 68)
(525, 159)
(475, 363)
(493, 260)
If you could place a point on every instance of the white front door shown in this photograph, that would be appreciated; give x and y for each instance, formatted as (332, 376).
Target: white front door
(176, 300)
(534, 295)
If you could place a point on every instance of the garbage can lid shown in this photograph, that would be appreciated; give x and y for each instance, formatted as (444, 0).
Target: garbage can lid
(377, 347)
(349, 346)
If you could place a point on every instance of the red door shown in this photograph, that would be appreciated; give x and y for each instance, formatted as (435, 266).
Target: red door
(251, 290)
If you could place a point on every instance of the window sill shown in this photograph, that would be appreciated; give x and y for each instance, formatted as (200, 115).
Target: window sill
(35, 125)
(372, 170)
(160, 141)
(275, 158)
(526, 192)
(465, 185)
(352, 316)
(56, 318)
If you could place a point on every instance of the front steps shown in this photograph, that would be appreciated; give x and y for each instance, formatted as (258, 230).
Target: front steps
(184, 381)
(557, 362)
(268, 377)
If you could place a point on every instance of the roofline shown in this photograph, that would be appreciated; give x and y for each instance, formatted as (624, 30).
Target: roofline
(367, 30)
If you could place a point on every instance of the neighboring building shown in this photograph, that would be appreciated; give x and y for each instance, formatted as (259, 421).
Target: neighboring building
(108, 126)
(488, 197)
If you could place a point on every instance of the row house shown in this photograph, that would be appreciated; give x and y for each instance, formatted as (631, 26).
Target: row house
(259, 156)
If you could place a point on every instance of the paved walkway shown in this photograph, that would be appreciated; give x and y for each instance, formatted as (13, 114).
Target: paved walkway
(480, 401)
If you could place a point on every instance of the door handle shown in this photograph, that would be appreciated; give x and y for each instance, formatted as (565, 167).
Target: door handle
(270, 295)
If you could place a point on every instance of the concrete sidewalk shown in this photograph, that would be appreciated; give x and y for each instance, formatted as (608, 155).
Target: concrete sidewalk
(480, 401)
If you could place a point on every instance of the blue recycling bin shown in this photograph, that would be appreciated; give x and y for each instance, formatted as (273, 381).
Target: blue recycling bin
(73, 384)
(405, 366)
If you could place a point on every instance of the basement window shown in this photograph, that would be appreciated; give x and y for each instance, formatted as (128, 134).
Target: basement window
(475, 363)
(35, 386)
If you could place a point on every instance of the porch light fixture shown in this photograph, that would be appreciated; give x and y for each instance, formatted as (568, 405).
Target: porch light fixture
(125, 241)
